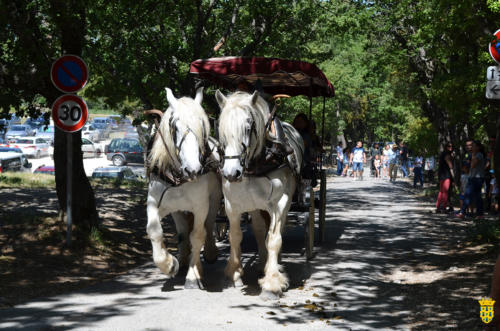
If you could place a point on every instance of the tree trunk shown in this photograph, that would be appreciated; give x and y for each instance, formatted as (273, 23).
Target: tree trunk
(84, 214)
(71, 24)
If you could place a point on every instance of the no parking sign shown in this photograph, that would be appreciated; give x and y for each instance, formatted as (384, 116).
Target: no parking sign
(494, 47)
(69, 73)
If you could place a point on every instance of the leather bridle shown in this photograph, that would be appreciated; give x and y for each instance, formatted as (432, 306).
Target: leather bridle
(243, 157)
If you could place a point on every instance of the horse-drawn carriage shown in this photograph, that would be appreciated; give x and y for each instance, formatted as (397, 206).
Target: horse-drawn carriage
(276, 77)
(256, 165)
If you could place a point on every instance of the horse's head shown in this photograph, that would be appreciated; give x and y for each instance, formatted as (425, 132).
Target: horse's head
(184, 129)
(241, 130)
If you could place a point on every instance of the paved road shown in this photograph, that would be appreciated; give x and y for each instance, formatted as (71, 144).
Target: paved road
(381, 251)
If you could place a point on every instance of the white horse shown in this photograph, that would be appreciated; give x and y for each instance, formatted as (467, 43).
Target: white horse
(242, 135)
(179, 150)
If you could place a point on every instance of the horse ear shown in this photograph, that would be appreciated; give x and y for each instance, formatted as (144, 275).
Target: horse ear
(170, 97)
(221, 99)
(255, 95)
(199, 95)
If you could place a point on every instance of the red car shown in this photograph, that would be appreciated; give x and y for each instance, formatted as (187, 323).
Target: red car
(43, 169)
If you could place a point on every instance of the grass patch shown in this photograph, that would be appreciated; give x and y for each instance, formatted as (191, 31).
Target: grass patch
(27, 180)
(486, 231)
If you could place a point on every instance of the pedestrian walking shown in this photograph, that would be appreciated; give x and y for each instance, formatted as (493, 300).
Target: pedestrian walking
(340, 159)
(377, 164)
(477, 165)
(464, 182)
(446, 175)
(430, 164)
(374, 151)
(403, 152)
(494, 197)
(385, 161)
(346, 152)
(393, 163)
(358, 158)
(418, 175)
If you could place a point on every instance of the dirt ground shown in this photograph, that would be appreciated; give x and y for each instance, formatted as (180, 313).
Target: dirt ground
(34, 260)
(437, 282)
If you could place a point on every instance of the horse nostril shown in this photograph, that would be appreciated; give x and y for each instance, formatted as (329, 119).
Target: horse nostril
(238, 174)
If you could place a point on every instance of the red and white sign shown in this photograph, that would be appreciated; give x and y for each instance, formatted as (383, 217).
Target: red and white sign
(494, 47)
(69, 73)
(69, 113)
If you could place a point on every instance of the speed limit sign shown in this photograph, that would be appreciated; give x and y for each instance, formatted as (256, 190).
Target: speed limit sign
(69, 113)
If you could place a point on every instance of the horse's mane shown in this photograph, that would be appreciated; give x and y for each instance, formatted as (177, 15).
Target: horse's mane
(230, 126)
(191, 114)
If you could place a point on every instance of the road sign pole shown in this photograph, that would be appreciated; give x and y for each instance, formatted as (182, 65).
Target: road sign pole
(69, 184)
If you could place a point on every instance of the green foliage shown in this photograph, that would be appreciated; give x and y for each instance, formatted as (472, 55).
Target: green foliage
(401, 69)
(494, 5)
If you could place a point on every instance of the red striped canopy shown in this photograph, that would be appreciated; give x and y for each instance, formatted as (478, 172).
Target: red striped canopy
(277, 76)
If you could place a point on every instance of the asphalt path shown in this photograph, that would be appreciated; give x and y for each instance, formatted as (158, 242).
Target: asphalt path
(357, 279)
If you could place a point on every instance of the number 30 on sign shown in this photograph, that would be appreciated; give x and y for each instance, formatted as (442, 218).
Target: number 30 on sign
(69, 113)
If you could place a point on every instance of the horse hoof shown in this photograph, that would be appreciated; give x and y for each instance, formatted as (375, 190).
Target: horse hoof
(193, 284)
(238, 283)
(175, 267)
(269, 296)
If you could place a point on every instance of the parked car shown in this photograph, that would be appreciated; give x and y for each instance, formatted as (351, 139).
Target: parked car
(32, 146)
(35, 122)
(91, 149)
(120, 121)
(114, 172)
(43, 169)
(46, 133)
(90, 132)
(14, 119)
(102, 124)
(24, 160)
(13, 161)
(124, 150)
(105, 122)
(15, 131)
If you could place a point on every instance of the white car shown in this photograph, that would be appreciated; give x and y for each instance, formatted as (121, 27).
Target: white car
(32, 146)
(46, 133)
(91, 133)
(91, 149)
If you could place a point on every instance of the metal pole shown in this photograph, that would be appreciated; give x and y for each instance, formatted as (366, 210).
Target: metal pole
(69, 184)
(322, 135)
(310, 99)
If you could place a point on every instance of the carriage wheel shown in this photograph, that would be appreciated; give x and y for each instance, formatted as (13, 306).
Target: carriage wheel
(322, 206)
(310, 227)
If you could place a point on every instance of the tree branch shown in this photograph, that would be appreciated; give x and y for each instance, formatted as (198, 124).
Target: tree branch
(228, 31)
